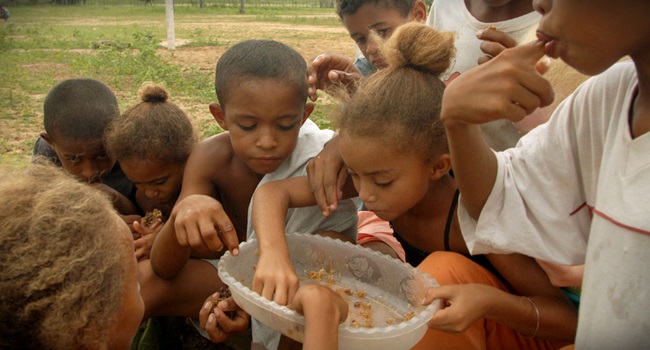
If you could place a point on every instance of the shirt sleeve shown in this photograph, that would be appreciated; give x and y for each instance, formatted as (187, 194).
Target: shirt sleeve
(539, 204)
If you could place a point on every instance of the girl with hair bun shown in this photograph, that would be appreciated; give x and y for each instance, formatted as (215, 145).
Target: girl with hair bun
(395, 150)
(151, 141)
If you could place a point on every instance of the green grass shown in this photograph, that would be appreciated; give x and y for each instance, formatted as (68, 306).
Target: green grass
(119, 45)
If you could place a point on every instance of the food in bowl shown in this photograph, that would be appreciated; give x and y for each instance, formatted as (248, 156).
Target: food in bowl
(384, 294)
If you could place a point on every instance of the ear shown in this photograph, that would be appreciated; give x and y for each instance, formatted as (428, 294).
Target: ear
(418, 11)
(218, 114)
(440, 166)
(309, 108)
(47, 138)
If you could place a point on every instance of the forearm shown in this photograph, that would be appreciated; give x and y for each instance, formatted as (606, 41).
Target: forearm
(269, 214)
(321, 327)
(167, 256)
(271, 203)
(544, 317)
(474, 164)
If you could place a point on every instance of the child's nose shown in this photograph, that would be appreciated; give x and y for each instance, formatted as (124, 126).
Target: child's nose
(90, 172)
(151, 193)
(365, 195)
(371, 47)
(267, 140)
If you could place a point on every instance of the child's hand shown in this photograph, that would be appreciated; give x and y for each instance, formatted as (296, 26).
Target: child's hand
(275, 278)
(324, 309)
(494, 42)
(327, 176)
(328, 68)
(129, 220)
(222, 318)
(201, 223)
(312, 298)
(147, 236)
(463, 304)
(510, 86)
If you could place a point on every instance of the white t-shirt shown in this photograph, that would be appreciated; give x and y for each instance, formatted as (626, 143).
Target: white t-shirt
(304, 220)
(453, 15)
(577, 190)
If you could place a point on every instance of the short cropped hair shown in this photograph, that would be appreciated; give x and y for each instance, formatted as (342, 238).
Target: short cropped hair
(350, 7)
(79, 109)
(260, 60)
(61, 265)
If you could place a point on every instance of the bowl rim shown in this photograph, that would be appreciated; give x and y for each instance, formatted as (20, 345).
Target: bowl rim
(419, 319)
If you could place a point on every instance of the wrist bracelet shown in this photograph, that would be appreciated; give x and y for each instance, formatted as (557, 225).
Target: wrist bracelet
(536, 314)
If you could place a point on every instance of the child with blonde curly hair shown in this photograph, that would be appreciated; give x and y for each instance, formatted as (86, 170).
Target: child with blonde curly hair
(67, 272)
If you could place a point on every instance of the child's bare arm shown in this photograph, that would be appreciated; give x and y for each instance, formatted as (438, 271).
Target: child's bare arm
(543, 311)
(144, 243)
(275, 277)
(198, 221)
(327, 175)
(510, 86)
(324, 310)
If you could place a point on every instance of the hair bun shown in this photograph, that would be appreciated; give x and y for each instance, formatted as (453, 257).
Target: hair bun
(150, 92)
(421, 47)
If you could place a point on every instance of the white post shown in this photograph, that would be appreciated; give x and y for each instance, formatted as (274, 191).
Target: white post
(171, 37)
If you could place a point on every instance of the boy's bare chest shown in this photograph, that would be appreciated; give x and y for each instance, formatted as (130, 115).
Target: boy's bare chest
(235, 197)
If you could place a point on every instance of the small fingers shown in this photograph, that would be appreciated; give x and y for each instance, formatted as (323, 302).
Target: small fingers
(491, 48)
(496, 36)
(483, 59)
(228, 234)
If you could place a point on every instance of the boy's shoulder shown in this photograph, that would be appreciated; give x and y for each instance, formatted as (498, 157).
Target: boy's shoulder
(216, 148)
(215, 159)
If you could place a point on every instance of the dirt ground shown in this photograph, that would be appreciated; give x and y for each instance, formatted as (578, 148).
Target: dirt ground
(309, 39)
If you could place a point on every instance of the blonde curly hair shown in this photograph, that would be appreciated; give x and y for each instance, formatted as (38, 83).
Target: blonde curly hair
(61, 267)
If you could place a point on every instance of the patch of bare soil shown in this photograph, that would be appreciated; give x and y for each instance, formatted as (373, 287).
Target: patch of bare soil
(308, 40)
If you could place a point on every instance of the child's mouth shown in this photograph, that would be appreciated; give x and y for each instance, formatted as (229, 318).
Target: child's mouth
(549, 44)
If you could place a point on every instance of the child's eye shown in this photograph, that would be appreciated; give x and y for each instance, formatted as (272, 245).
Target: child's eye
(383, 184)
(247, 127)
(74, 160)
(360, 41)
(383, 32)
(287, 127)
(102, 156)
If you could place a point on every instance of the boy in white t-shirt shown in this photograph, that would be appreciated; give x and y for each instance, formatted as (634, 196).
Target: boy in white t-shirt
(575, 189)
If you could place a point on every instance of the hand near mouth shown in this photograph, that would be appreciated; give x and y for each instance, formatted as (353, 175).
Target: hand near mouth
(510, 86)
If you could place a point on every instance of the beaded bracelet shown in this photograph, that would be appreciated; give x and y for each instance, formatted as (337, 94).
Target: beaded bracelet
(536, 314)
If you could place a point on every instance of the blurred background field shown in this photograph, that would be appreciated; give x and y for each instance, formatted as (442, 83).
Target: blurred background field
(122, 43)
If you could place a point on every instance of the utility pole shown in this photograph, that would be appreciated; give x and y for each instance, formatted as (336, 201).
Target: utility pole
(171, 36)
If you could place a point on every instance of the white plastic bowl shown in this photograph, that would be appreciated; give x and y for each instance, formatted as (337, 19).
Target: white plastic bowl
(385, 280)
